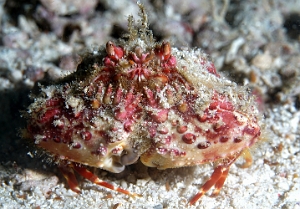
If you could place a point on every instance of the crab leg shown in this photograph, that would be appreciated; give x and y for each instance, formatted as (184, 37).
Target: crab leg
(248, 158)
(93, 178)
(219, 184)
(69, 175)
(217, 178)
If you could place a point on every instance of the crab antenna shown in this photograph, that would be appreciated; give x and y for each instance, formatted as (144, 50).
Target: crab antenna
(133, 32)
(146, 34)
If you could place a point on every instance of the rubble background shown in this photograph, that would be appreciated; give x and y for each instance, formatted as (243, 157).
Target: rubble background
(255, 43)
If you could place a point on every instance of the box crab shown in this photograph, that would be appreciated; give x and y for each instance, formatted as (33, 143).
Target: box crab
(139, 99)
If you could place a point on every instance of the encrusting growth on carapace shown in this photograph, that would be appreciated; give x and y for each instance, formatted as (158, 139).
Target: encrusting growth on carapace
(138, 99)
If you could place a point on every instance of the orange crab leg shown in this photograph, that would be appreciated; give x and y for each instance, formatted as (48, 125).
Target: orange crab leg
(219, 184)
(93, 178)
(248, 158)
(69, 175)
(214, 179)
(219, 176)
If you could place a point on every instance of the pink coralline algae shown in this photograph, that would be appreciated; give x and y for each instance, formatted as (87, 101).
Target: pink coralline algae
(138, 99)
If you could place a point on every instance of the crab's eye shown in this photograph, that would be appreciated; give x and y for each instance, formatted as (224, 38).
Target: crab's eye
(129, 156)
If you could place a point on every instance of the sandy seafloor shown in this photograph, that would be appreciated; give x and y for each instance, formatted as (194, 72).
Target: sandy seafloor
(254, 43)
